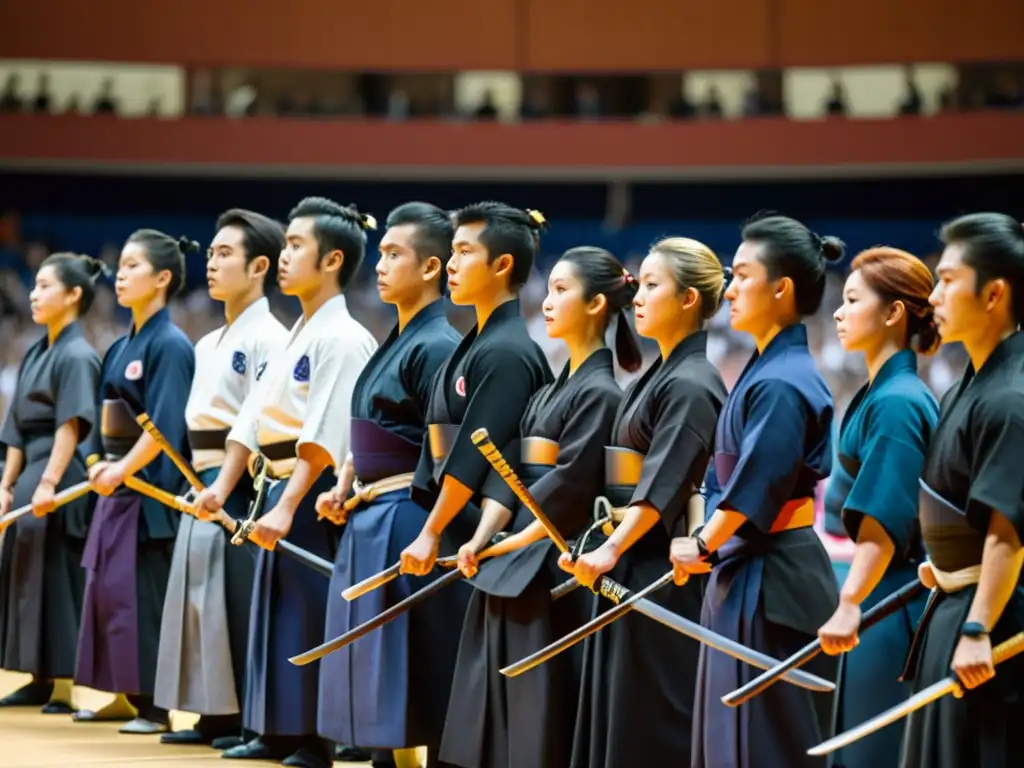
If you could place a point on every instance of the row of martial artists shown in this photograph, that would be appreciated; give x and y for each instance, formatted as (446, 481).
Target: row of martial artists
(496, 721)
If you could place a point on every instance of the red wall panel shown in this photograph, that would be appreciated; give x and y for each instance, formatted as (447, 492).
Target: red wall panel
(379, 35)
(838, 33)
(362, 148)
(646, 35)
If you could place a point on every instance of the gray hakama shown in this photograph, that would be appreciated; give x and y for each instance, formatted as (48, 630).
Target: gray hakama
(41, 579)
(204, 634)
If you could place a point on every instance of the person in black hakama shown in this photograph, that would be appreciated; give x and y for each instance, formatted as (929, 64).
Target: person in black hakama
(773, 585)
(528, 721)
(873, 489)
(972, 508)
(486, 383)
(390, 689)
(636, 699)
(205, 627)
(52, 413)
(128, 553)
(298, 419)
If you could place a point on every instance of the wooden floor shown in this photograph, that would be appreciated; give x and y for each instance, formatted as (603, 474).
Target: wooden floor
(29, 739)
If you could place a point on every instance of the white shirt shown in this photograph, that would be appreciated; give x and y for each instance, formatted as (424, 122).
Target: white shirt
(306, 393)
(229, 362)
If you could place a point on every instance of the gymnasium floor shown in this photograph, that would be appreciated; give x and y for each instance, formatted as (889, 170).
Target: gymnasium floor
(31, 740)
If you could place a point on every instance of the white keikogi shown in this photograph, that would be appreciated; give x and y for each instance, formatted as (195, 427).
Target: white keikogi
(306, 394)
(210, 582)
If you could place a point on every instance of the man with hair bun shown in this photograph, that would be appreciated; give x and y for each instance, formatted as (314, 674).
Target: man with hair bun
(487, 382)
(298, 421)
(390, 689)
(205, 628)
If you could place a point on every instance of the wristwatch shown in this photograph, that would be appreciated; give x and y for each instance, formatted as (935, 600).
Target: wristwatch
(702, 548)
(973, 629)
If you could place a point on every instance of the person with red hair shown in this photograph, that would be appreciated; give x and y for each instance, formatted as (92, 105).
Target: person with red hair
(880, 453)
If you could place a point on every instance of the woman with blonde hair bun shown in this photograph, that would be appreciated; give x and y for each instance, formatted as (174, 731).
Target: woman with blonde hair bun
(636, 704)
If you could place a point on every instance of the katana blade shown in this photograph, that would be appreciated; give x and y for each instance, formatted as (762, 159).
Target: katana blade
(948, 685)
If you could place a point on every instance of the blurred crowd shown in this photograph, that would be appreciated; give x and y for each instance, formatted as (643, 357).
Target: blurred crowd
(197, 314)
(294, 93)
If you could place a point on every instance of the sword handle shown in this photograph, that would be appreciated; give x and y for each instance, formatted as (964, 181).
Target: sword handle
(1008, 648)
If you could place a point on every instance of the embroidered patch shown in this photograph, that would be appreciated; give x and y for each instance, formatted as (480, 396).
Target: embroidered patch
(133, 372)
(260, 369)
(301, 372)
(238, 363)
(460, 386)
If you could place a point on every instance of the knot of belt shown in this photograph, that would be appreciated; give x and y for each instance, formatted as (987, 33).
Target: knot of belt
(363, 494)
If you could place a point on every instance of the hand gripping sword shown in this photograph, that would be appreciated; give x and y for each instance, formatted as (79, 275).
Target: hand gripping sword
(948, 685)
(762, 682)
(621, 595)
(240, 531)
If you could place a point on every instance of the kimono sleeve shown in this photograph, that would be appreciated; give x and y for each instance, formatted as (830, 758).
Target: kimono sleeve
(566, 493)
(891, 460)
(771, 453)
(997, 478)
(170, 366)
(500, 387)
(75, 386)
(334, 368)
(682, 433)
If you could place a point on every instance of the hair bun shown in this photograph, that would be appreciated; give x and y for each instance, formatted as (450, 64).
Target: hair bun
(365, 221)
(186, 245)
(537, 219)
(94, 267)
(832, 248)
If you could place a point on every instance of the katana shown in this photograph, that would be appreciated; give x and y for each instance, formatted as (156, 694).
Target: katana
(882, 610)
(945, 687)
(308, 559)
(76, 491)
(620, 594)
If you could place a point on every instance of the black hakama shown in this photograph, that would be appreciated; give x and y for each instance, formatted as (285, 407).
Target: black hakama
(528, 721)
(972, 471)
(636, 703)
(41, 578)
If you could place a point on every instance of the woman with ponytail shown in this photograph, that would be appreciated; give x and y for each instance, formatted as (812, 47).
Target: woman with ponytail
(636, 702)
(499, 722)
(873, 489)
(52, 413)
(127, 556)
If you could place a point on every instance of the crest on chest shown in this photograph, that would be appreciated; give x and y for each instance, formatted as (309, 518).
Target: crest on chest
(133, 371)
(238, 363)
(460, 386)
(301, 371)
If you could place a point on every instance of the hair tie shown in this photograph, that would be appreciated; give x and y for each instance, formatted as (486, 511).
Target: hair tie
(369, 222)
(537, 218)
(628, 278)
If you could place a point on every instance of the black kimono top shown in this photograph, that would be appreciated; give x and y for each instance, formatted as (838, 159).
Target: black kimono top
(487, 382)
(560, 458)
(974, 463)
